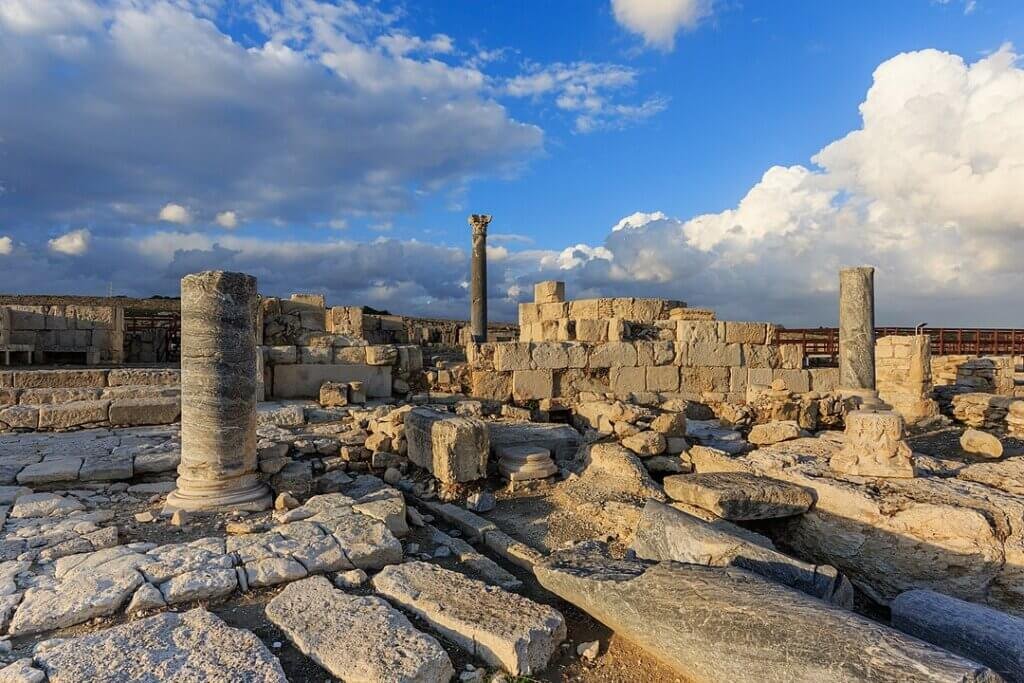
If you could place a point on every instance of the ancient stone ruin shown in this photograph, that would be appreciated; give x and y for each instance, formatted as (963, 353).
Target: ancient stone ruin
(615, 489)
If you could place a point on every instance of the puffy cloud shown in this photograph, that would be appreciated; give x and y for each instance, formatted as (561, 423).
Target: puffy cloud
(6, 245)
(928, 190)
(658, 21)
(318, 110)
(176, 213)
(74, 243)
(587, 90)
(227, 220)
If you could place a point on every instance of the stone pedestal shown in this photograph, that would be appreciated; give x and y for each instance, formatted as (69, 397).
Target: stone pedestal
(874, 446)
(218, 467)
(857, 337)
(478, 278)
(520, 463)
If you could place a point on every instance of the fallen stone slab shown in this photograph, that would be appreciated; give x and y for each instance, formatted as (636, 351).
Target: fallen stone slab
(981, 633)
(30, 505)
(73, 414)
(981, 443)
(728, 625)
(196, 646)
(774, 432)
(357, 638)
(145, 411)
(72, 602)
(739, 495)
(21, 671)
(474, 526)
(503, 629)
(665, 533)
(560, 439)
(50, 470)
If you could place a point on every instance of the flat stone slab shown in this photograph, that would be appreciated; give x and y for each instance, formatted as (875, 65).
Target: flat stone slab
(504, 629)
(357, 638)
(739, 495)
(50, 470)
(730, 625)
(196, 646)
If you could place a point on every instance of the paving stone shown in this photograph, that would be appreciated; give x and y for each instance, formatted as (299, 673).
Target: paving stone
(110, 467)
(147, 596)
(82, 598)
(504, 629)
(388, 506)
(157, 462)
(357, 638)
(195, 646)
(44, 505)
(366, 542)
(271, 571)
(21, 671)
(9, 494)
(739, 495)
(50, 470)
(199, 584)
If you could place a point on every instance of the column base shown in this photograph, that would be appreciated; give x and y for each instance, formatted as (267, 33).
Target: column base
(255, 498)
(864, 399)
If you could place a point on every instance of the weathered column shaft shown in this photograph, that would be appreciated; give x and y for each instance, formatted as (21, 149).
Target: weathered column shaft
(218, 394)
(857, 329)
(478, 278)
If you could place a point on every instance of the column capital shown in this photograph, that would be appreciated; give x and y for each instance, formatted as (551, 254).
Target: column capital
(479, 223)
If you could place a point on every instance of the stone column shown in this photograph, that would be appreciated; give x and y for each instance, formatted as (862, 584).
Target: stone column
(478, 278)
(218, 467)
(857, 336)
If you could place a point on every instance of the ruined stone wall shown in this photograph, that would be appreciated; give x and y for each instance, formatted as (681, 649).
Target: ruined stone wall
(992, 374)
(398, 329)
(903, 375)
(94, 331)
(602, 320)
(299, 353)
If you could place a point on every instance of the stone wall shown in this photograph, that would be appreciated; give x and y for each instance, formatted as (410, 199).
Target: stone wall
(603, 320)
(992, 374)
(93, 332)
(903, 375)
(60, 400)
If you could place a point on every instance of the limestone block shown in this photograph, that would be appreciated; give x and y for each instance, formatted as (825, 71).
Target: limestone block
(774, 432)
(485, 384)
(513, 356)
(504, 629)
(357, 638)
(143, 377)
(20, 417)
(548, 292)
(453, 449)
(578, 355)
(663, 378)
(334, 394)
(981, 443)
(714, 354)
(282, 355)
(316, 354)
(745, 333)
(617, 329)
(351, 355)
(591, 309)
(655, 352)
(386, 354)
(738, 379)
(144, 411)
(646, 444)
(613, 355)
(304, 381)
(792, 356)
(550, 312)
(874, 446)
(194, 646)
(73, 414)
(38, 397)
(699, 380)
(700, 331)
(739, 496)
(797, 381)
(824, 380)
(591, 330)
(9, 396)
(761, 356)
(565, 330)
(626, 381)
(56, 379)
(550, 356)
(529, 313)
(533, 384)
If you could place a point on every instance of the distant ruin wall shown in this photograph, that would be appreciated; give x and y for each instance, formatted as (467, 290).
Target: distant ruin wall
(989, 374)
(903, 375)
(96, 332)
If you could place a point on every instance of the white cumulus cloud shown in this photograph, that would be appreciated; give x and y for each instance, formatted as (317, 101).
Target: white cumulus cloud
(6, 245)
(658, 21)
(227, 220)
(74, 243)
(175, 213)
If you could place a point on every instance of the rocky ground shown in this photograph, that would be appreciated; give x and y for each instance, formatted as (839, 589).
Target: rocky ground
(86, 546)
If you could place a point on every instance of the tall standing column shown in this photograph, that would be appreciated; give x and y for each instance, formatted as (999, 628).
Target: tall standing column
(478, 278)
(218, 467)
(857, 336)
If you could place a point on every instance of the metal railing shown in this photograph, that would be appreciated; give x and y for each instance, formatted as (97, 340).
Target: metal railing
(824, 341)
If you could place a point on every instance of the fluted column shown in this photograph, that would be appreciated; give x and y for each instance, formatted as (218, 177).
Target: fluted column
(478, 278)
(218, 468)
(857, 336)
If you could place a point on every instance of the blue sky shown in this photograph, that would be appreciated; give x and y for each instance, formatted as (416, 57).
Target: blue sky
(338, 146)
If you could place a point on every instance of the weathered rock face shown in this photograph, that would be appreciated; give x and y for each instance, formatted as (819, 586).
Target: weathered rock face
(194, 646)
(453, 449)
(985, 635)
(665, 533)
(739, 495)
(874, 446)
(981, 443)
(502, 628)
(955, 535)
(218, 394)
(357, 638)
(728, 625)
